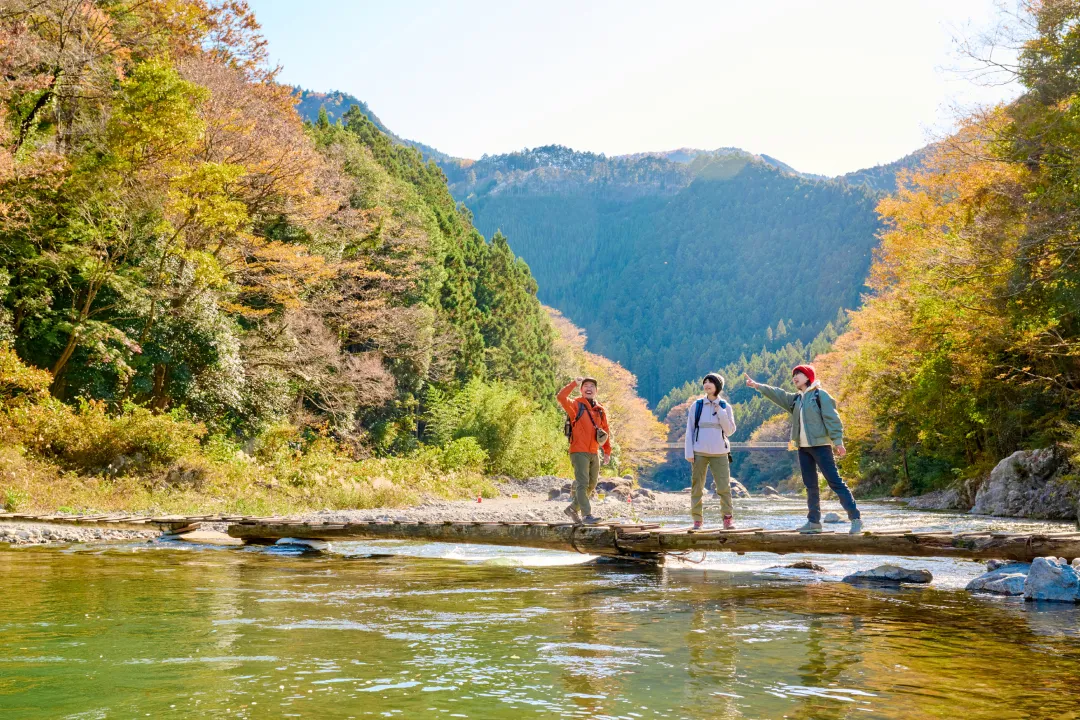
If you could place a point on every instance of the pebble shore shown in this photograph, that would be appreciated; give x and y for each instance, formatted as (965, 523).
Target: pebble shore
(22, 533)
(518, 501)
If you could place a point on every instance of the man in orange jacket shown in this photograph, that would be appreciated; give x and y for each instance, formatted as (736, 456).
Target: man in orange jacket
(587, 417)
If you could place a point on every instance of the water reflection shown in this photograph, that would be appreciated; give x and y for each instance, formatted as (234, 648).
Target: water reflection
(385, 629)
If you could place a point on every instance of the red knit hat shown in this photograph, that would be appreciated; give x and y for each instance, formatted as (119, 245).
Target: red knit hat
(807, 370)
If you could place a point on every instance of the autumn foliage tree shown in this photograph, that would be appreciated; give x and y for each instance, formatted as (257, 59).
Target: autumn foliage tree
(172, 235)
(969, 347)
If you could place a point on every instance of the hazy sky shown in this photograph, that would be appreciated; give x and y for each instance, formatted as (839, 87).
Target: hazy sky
(827, 86)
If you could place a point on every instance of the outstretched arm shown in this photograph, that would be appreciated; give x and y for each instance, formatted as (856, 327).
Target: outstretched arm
(779, 396)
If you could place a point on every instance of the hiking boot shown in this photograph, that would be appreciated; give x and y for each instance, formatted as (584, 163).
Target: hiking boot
(810, 528)
(729, 523)
(572, 513)
(698, 524)
(592, 520)
(856, 526)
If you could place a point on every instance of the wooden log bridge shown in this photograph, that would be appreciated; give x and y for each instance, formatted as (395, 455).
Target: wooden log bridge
(643, 541)
(631, 541)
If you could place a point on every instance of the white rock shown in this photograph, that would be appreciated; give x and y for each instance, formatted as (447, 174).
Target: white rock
(1003, 579)
(832, 518)
(1052, 580)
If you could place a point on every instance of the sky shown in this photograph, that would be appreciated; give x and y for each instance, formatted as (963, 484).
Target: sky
(827, 86)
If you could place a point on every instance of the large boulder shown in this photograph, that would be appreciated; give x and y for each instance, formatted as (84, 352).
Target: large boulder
(1053, 580)
(738, 490)
(889, 575)
(1002, 579)
(1031, 484)
(608, 485)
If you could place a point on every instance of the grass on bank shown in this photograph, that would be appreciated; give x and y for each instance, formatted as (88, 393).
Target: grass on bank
(54, 457)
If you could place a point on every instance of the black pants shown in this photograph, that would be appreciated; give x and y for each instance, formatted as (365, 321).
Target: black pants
(819, 457)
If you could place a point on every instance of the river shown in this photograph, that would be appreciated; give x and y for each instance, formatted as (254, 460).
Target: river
(389, 629)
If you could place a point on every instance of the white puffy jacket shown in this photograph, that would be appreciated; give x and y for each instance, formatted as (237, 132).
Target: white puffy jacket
(716, 426)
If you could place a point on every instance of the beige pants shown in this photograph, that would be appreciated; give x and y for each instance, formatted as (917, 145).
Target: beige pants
(721, 477)
(586, 473)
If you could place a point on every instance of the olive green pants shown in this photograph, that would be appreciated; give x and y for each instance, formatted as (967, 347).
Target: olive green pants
(721, 474)
(586, 473)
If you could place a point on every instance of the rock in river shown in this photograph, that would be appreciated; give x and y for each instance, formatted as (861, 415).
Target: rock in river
(889, 575)
(1002, 579)
(800, 565)
(738, 490)
(1033, 484)
(832, 518)
(1053, 580)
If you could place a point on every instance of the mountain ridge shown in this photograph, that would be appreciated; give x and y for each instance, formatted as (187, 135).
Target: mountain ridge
(337, 102)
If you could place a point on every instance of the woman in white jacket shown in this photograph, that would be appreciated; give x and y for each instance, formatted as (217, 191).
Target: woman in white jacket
(710, 421)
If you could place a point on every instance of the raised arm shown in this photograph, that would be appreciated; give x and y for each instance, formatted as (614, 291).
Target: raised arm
(563, 396)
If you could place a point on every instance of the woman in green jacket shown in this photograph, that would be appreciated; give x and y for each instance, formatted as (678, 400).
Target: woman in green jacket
(817, 432)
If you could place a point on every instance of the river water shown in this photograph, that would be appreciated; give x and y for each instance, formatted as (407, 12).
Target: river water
(411, 630)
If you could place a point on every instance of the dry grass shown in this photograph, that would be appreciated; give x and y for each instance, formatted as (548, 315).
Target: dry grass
(244, 485)
(57, 458)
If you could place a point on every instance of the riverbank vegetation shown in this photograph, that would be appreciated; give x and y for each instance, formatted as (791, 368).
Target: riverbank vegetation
(968, 347)
(207, 303)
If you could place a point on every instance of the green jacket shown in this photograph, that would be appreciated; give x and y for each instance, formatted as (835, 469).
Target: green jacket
(822, 426)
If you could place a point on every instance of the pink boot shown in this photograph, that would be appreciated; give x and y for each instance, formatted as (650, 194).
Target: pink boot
(729, 524)
(698, 524)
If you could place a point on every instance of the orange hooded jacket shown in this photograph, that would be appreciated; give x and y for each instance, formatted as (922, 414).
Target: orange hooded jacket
(583, 432)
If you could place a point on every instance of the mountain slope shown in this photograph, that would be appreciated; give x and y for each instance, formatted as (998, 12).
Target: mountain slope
(675, 268)
(337, 103)
(883, 177)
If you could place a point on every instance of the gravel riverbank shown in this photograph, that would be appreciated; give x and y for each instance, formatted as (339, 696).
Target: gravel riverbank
(23, 533)
(519, 500)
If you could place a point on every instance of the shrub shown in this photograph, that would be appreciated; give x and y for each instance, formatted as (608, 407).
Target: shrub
(519, 437)
(20, 383)
(89, 439)
(463, 454)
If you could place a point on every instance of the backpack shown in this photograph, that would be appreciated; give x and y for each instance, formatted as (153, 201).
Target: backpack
(698, 407)
(568, 425)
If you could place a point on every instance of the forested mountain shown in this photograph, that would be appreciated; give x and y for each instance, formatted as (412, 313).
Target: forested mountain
(337, 103)
(883, 177)
(675, 268)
